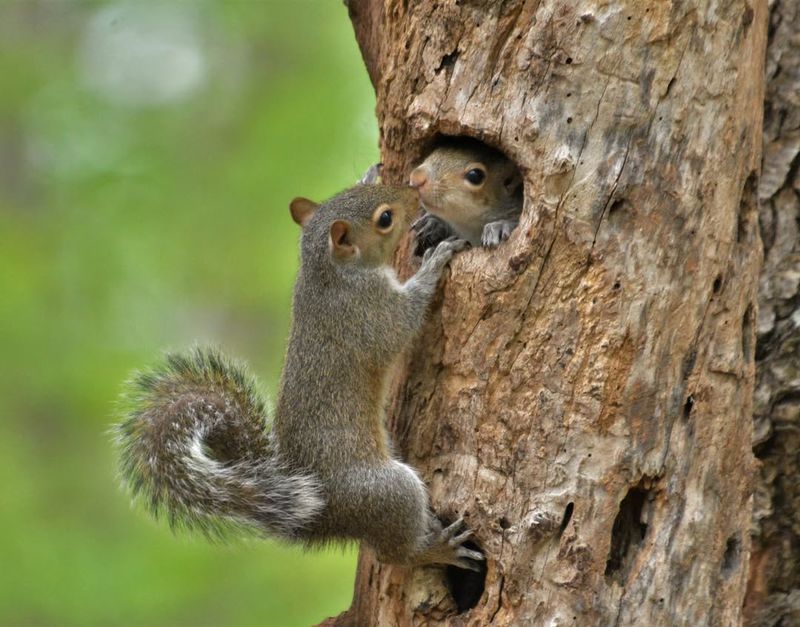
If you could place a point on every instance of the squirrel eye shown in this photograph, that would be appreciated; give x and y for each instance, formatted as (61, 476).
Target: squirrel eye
(385, 220)
(475, 176)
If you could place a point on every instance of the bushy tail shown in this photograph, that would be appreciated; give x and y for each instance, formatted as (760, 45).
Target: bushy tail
(194, 446)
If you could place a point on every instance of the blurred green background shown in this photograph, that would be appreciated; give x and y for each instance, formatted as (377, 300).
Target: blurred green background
(148, 152)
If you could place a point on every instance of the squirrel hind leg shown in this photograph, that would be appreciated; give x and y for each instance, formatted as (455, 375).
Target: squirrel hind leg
(395, 520)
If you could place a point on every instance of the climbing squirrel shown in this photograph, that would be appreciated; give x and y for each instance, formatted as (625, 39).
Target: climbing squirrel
(194, 440)
(467, 189)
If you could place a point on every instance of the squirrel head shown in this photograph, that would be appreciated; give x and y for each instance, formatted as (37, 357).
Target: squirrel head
(361, 225)
(463, 179)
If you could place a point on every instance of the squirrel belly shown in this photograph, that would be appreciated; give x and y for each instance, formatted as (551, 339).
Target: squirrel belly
(194, 447)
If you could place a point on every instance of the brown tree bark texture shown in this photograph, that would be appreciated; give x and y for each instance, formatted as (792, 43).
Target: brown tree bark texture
(774, 588)
(583, 393)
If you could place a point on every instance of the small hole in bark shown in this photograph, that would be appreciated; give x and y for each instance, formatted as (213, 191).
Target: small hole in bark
(503, 522)
(569, 120)
(616, 285)
(717, 284)
(447, 61)
(569, 60)
(629, 17)
(688, 406)
(466, 586)
(627, 535)
(747, 206)
(732, 556)
(616, 205)
(567, 517)
(747, 334)
(569, 93)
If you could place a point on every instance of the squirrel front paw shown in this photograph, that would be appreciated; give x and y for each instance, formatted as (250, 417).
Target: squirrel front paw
(496, 232)
(435, 259)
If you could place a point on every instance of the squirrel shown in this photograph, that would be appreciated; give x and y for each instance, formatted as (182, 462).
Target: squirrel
(467, 189)
(194, 440)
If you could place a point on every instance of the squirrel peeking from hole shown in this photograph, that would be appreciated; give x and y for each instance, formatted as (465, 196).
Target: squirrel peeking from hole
(467, 189)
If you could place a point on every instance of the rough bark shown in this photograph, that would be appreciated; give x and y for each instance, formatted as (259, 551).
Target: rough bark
(583, 394)
(774, 588)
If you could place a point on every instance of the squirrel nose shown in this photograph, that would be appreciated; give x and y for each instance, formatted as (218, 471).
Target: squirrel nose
(418, 177)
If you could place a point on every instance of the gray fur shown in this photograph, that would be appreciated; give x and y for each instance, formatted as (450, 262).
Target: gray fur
(194, 447)
(194, 441)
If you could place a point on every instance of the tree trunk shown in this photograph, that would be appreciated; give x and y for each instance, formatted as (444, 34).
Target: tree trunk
(774, 588)
(583, 394)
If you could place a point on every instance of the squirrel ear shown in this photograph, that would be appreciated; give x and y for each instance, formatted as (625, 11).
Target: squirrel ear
(302, 209)
(341, 245)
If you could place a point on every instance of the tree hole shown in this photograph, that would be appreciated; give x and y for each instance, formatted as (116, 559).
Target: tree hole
(688, 406)
(748, 333)
(447, 61)
(747, 206)
(466, 586)
(567, 516)
(627, 534)
(732, 556)
(617, 207)
(717, 284)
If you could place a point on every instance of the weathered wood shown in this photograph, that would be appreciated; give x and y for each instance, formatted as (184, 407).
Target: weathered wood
(774, 588)
(583, 394)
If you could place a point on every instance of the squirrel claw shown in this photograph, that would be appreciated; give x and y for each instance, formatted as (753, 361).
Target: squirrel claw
(463, 556)
(496, 232)
(438, 257)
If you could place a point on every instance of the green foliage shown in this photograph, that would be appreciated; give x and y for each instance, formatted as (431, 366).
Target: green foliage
(129, 227)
